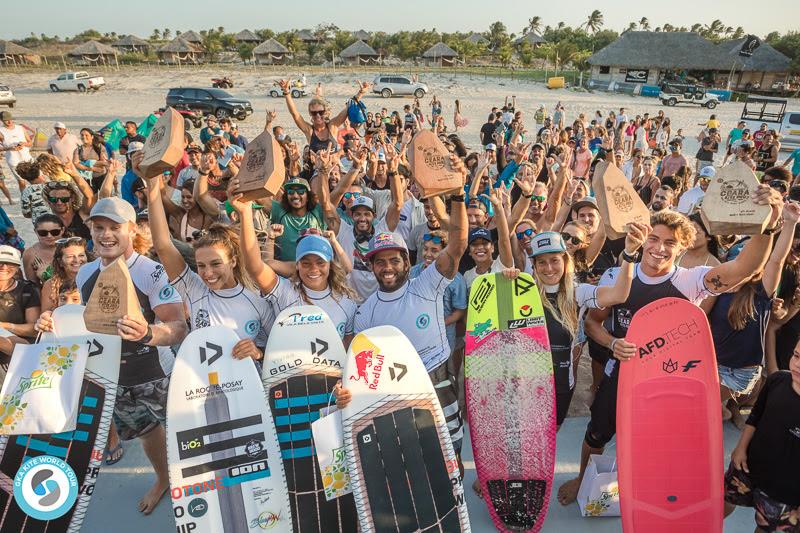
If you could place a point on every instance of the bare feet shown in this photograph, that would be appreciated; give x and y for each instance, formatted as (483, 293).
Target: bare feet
(568, 492)
(726, 414)
(153, 496)
(476, 486)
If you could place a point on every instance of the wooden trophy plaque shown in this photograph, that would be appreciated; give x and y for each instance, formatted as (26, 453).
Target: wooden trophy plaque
(431, 167)
(727, 208)
(163, 148)
(618, 202)
(262, 171)
(113, 297)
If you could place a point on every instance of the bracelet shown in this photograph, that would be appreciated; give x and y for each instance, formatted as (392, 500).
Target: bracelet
(611, 345)
(628, 258)
(391, 174)
(148, 336)
(528, 196)
(770, 231)
(456, 198)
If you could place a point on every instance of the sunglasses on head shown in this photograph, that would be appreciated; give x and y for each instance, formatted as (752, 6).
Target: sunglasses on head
(571, 238)
(527, 233)
(50, 232)
(59, 199)
(69, 239)
(435, 239)
(295, 190)
(319, 113)
(349, 195)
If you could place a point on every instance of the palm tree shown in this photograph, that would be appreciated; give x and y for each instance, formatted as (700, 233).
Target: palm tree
(644, 24)
(167, 33)
(594, 22)
(534, 24)
(560, 25)
(668, 27)
(156, 35)
(715, 28)
(738, 33)
(696, 27)
(631, 26)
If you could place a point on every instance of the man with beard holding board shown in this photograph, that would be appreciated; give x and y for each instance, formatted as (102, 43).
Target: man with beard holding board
(655, 277)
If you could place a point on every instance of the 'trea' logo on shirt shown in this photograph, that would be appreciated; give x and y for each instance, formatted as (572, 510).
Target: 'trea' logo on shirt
(423, 320)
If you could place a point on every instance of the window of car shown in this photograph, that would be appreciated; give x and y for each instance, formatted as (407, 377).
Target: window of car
(404, 81)
(794, 118)
(62, 77)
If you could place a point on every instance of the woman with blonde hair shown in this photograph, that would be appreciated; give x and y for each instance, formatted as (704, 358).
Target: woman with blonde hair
(562, 298)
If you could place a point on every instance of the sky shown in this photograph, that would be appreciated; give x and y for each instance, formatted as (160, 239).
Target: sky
(140, 17)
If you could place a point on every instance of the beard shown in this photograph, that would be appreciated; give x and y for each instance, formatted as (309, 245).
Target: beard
(658, 206)
(402, 277)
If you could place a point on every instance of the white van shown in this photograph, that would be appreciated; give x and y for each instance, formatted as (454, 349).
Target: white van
(772, 111)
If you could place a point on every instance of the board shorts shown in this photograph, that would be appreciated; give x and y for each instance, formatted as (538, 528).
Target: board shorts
(603, 420)
(740, 381)
(140, 408)
(598, 352)
(446, 392)
(563, 399)
(771, 515)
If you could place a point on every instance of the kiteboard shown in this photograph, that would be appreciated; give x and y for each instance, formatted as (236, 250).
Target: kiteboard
(302, 364)
(510, 397)
(82, 449)
(225, 471)
(403, 468)
(669, 424)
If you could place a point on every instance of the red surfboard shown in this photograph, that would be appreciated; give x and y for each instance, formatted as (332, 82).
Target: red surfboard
(669, 423)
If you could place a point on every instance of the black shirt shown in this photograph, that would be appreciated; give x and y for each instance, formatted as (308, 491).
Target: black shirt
(15, 302)
(773, 456)
(487, 130)
(123, 145)
(560, 346)
(745, 347)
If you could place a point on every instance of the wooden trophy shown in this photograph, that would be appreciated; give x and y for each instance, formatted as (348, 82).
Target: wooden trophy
(262, 171)
(618, 202)
(727, 208)
(431, 167)
(163, 148)
(113, 297)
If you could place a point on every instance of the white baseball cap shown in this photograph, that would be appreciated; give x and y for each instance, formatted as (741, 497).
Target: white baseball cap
(59, 126)
(708, 172)
(10, 255)
(114, 208)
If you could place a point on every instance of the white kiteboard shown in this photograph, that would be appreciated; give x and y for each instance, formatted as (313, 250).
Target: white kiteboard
(302, 364)
(403, 468)
(83, 449)
(225, 470)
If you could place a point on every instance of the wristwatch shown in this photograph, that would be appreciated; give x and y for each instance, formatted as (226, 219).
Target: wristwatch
(148, 336)
(628, 258)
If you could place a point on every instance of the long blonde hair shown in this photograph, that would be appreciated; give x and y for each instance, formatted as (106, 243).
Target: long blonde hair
(742, 307)
(225, 237)
(566, 310)
(337, 282)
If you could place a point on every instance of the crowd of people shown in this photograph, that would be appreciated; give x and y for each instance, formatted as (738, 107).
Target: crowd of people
(351, 233)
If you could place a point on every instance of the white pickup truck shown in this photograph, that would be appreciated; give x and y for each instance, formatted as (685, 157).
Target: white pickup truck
(76, 81)
(772, 112)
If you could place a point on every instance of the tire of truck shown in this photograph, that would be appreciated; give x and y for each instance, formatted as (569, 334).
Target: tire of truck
(81, 88)
(296, 93)
(222, 113)
(54, 87)
(711, 104)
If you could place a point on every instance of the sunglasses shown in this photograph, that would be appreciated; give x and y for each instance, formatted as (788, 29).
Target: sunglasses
(522, 234)
(59, 199)
(50, 232)
(435, 239)
(295, 190)
(571, 238)
(349, 195)
(317, 113)
(69, 239)
(538, 198)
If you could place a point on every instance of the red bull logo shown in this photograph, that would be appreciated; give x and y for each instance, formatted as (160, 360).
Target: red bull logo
(363, 361)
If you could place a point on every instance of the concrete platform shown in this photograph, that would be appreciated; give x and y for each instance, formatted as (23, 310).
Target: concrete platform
(120, 486)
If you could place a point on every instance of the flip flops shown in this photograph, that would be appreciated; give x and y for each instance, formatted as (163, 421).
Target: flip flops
(111, 455)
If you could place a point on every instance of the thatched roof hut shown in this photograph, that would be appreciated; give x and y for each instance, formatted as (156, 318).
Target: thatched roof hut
(477, 38)
(179, 50)
(193, 37)
(14, 54)
(270, 52)
(764, 59)
(359, 53)
(247, 36)
(532, 38)
(307, 36)
(93, 52)
(361, 35)
(440, 55)
(132, 44)
(661, 50)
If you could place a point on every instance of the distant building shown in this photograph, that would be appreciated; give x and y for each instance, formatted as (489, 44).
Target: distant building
(93, 53)
(477, 38)
(308, 37)
(440, 55)
(131, 44)
(359, 53)
(645, 57)
(532, 38)
(14, 54)
(193, 37)
(270, 52)
(247, 37)
(179, 51)
(362, 35)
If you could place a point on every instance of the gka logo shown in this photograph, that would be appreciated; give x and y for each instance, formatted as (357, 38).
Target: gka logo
(251, 327)
(45, 487)
(216, 353)
(423, 320)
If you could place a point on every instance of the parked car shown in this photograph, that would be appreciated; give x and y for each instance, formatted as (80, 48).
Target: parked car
(209, 102)
(297, 92)
(76, 81)
(772, 111)
(397, 85)
(7, 96)
(686, 93)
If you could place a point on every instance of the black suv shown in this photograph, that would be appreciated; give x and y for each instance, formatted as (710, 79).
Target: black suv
(210, 102)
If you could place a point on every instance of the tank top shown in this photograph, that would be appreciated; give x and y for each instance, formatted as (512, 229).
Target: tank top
(764, 152)
(315, 144)
(187, 230)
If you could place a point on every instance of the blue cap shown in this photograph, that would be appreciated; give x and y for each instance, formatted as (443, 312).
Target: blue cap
(479, 233)
(547, 242)
(316, 245)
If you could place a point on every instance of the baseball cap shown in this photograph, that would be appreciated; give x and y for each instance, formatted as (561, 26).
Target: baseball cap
(135, 146)
(297, 182)
(479, 233)
(707, 172)
(10, 255)
(491, 146)
(314, 245)
(114, 208)
(189, 149)
(385, 241)
(586, 201)
(363, 201)
(59, 126)
(547, 242)
(6, 115)
(381, 157)
(537, 145)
